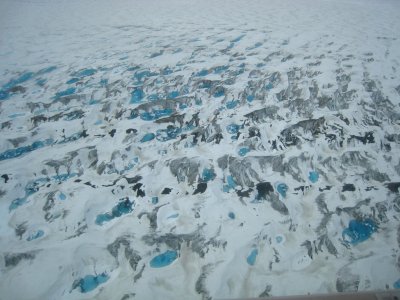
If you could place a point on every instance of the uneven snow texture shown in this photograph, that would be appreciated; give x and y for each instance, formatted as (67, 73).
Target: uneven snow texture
(198, 149)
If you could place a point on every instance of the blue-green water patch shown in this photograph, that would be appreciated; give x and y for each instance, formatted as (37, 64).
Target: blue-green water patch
(208, 175)
(41, 82)
(182, 106)
(313, 176)
(137, 95)
(231, 184)
(46, 70)
(34, 186)
(243, 151)
(396, 284)
(90, 282)
(220, 69)
(269, 86)
(154, 200)
(4, 95)
(141, 75)
(173, 94)
(156, 114)
(16, 81)
(202, 73)
(67, 92)
(35, 235)
(73, 80)
(16, 115)
(153, 97)
(74, 137)
(282, 189)
(359, 231)
(123, 207)
(231, 215)
(170, 133)
(232, 104)
(232, 128)
(250, 98)
(147, 137)
(84, 73)
(164, 259)
(251, 259)
(17, 152)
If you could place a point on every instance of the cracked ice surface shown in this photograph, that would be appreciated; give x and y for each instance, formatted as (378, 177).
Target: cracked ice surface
(198, 149)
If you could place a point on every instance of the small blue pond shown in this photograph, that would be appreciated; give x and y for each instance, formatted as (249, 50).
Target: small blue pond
(396, 284)
(231, 184)
(147, 137)
(243, 151)
(232, 128)
(164, 259)
(13, 153)
(123, 207)
(35, 235)
(359, 231)
(232, 104)
(208, 175)
(251, 259)
(282, 189)
(137, 96)
(90, 282)
(313, 176)
(67, 92)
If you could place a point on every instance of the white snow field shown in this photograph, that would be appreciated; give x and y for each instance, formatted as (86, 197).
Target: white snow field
(182, 149)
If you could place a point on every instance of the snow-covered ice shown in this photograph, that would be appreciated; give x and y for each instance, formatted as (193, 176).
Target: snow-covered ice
(197, 149)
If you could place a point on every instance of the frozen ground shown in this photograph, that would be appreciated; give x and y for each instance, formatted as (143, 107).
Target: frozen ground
(198, 149)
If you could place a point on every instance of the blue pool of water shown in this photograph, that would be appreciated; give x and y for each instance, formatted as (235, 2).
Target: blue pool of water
(90, 282)
(232, 104)
(243, 151)
(231, 184)
(16, 81)
(67, 92)
(282, 189)
(251, 259)
(73, 80)
(156, 114)
(202, 73)
(46, 70)
(125, 206)
(219, 93)
(313, 176)
(232, 128)
(137, 96)
(173, 94)
(231, 215)
(396, 284)
(154, 200)
(84, 73)
(164, 259)
(62, 196)
(170, 133)
(359, 231)
(141, 75)
(220, 69)
(208, 175)
(13, 153)
(35, 235)
(148, 137)
(250, 98)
